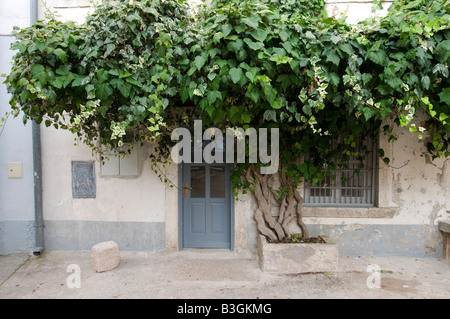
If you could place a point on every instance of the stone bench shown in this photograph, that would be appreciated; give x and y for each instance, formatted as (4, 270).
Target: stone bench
(105, 256)
(444, 226)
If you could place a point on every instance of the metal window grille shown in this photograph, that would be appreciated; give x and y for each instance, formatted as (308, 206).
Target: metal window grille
(348, 188)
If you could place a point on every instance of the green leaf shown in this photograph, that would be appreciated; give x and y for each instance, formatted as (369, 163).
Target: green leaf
(378, 57)
(394, 82)
(259, 35)
(213, 96)
(226, 29)
(134, 82)
(252, 22)
(366, 77)
(38, 72)
(347, 48)
(35, 69)
(444, 49)
(270, 115)
(284, 35)
(413, 4)
(61, 55)
(109, 48)
(251, 74)
(384, 89)
(233, 112)
(333, 57)
(245, 118)
(235, 46)
(333, 78)
(269, 92)
(277, 104)
(425, 82)
(253, 94)
(58, 82)
(209, 109)
(191, 71)
(24, 96)
(218, 36)
(442, 69)
(444, 96)
(254, 45)
(368, 112)
(102, 75)
(212, 76)
(184, 93)
(41, 46)
(310, 35)
(125, 89)
(103, 91)
(335, 38)
(236, 74)
(199, 62)
(125, 75)
(51, 97)
(79, 80)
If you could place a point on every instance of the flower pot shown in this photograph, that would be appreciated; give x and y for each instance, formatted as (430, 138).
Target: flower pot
(294, 258)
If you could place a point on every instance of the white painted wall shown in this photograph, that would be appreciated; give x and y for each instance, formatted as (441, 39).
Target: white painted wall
(356, 10)
(16, 195)
(118, 199)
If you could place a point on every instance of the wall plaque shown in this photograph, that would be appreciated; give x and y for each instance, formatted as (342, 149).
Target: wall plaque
(83, 180)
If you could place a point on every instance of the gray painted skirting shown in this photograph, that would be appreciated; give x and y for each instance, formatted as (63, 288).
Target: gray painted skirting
(365, 240)
(16, 236)
(82, 235)
(419, 241)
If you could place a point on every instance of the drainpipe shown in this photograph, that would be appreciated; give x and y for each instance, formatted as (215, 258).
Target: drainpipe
(37, 166)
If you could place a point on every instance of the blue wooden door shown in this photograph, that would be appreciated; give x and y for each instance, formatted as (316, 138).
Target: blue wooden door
(206, 218)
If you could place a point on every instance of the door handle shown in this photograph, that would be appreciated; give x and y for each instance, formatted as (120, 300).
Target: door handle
(186, 188)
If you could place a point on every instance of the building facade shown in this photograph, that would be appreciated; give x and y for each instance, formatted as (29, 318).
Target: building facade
(85, 202)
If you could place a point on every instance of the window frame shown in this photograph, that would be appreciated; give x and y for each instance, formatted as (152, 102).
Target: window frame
(335, 198)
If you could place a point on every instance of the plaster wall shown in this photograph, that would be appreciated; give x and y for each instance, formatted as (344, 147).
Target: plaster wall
(414, 191)
(129, 210)
(356, 10)
(16, 195)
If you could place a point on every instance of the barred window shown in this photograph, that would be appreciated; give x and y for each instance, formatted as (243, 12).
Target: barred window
(348, 187)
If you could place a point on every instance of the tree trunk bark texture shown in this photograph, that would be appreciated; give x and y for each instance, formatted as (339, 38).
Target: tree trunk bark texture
(290, 202)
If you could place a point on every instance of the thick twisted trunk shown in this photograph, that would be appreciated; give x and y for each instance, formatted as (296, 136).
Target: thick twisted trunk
(275, 229)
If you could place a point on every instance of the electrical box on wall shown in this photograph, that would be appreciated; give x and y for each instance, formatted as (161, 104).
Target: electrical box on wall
(121, 166)
(15, 170)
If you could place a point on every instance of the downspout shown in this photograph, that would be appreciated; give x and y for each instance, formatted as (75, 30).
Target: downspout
(37, 166)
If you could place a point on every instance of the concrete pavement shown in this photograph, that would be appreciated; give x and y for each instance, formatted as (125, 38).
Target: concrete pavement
(212, 274)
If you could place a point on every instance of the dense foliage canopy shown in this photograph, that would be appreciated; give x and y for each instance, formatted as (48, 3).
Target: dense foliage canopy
(138, 69)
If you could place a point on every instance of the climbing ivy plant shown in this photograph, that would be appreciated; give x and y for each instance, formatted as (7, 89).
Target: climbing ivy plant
(139, 69)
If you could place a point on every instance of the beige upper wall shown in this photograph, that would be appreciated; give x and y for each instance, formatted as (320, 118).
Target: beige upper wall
(137, 199)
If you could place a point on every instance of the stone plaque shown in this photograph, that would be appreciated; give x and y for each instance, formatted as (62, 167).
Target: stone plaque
(83, 180)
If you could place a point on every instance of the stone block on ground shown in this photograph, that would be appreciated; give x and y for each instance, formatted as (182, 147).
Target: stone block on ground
(105, 256)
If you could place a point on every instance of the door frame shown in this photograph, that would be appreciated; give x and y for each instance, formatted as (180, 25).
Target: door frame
(181, 168)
